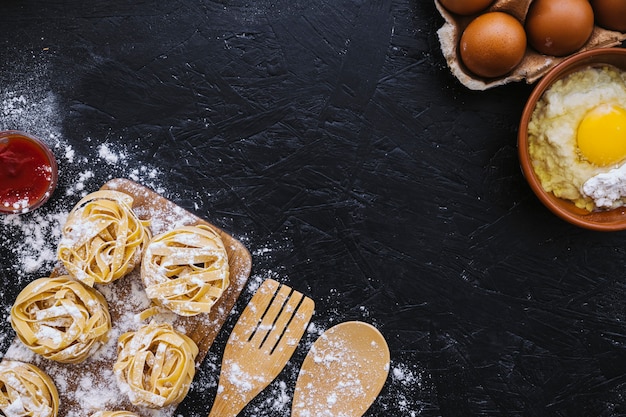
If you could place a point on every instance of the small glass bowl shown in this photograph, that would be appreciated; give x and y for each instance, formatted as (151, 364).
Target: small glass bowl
(28, 172)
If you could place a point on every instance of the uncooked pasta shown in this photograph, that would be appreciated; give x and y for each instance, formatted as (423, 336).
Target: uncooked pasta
(61, 319)
(155, 365)
(103, 238)
(186, 269)
(26, 390)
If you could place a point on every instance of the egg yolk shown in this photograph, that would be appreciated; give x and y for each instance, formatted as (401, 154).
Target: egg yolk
(602, 135)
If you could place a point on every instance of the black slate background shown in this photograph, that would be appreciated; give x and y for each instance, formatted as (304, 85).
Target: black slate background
(330, 137)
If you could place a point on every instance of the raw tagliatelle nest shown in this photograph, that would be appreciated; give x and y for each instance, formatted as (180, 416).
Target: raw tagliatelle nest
(61, 319)
(102, 239)
(533, 66)
(155, 365)
(26, 390)
(186, 269)
(114, 414)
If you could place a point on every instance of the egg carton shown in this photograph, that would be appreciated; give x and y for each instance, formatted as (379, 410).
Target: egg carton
(533, 66)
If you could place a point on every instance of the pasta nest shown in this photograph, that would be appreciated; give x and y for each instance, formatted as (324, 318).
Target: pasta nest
(155, 365)
(186, 269)
(103, 238)
(114, 414)
(25, 390)
(61, 319)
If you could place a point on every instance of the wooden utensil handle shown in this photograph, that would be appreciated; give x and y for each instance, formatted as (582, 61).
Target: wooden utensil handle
(227, 403)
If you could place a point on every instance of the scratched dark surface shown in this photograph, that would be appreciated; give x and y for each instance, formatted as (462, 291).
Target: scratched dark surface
(331, 135)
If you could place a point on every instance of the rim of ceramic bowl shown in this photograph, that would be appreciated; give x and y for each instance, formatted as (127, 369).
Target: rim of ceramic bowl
(54, 177)
(609, 220)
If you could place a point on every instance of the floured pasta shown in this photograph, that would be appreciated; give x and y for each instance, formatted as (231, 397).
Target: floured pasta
(114, 414)
(25, 390)
(61, 319)
(186, 269)
(155, 365)
(103, 239)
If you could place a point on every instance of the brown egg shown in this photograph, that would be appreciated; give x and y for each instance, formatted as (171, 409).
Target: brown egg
(559, 27)
(492, 44)
(465, 7)
(610, 14)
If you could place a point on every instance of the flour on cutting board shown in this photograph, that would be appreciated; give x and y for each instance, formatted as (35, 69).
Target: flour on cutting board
(127, 301)
(96, 388)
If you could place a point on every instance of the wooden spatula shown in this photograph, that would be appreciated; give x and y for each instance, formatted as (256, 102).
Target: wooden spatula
(261, 343)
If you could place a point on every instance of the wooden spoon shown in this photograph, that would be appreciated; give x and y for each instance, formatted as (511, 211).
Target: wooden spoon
(343, 372)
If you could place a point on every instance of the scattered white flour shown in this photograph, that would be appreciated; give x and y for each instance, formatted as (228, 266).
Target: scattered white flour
(110, 156)
(78, 187)
(32, 239)
(30, 106)
(405, 382)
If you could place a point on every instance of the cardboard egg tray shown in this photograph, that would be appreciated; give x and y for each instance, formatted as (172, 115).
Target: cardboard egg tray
(533, 66)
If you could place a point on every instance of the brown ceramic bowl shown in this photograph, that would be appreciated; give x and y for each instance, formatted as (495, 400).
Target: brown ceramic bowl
(28, 172)
(609, 220)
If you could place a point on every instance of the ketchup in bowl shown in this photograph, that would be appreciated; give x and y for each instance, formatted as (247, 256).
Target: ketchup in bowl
(28, 172)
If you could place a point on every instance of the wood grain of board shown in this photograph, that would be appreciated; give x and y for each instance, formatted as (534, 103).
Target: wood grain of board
(91, 385)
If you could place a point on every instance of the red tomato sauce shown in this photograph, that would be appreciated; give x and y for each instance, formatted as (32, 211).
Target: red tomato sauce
(27, 173)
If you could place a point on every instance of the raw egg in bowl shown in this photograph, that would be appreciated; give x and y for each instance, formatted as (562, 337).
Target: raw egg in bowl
(28, 172)
(572, 139)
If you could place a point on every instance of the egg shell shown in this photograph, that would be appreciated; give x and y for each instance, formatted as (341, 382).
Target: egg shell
(492, 44)
(610, 14)
(466, 7)
(559, 27)
(533, 66)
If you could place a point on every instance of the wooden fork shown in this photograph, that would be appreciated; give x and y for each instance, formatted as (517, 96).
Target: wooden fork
(261, 343)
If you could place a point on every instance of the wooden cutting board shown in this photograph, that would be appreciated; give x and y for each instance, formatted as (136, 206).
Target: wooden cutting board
(91, 385)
